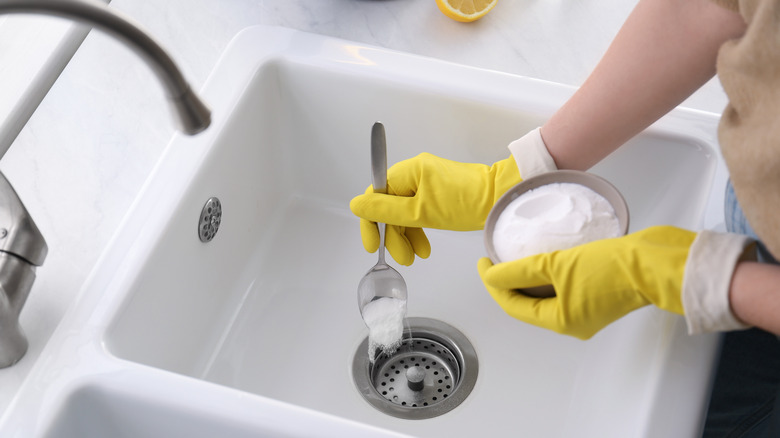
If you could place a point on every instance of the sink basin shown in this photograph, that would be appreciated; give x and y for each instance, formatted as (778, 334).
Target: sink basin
(129, 406)
(263, 318)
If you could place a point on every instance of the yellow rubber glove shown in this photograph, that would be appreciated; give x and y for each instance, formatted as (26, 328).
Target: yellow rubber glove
(596, 283)
(431, 192)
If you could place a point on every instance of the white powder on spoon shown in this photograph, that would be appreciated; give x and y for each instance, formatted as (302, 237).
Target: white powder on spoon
(553, 217)
(385, 320)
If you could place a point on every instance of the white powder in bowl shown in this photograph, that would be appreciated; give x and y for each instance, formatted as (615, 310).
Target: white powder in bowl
(553, 217)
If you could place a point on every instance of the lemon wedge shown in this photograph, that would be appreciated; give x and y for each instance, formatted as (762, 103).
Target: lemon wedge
(466, 10)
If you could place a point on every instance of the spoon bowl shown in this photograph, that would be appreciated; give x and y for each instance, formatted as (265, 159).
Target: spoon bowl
(381, 281)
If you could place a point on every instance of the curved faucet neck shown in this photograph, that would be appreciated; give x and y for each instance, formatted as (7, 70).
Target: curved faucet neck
(191, 114)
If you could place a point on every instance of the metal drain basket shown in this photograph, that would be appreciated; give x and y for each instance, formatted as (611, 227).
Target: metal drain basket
(432, 372)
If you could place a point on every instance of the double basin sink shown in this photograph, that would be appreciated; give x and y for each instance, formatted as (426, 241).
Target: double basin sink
(254, 332)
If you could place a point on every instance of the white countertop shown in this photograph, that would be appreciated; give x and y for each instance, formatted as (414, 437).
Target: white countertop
(85, 153)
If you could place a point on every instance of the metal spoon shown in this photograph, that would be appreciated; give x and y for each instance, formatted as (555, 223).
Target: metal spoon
(381, 281)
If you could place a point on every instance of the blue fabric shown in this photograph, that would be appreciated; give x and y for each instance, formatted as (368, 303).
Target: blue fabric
(737, 223)
(746, 390)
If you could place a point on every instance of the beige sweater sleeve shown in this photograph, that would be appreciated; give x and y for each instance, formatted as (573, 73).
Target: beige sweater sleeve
(749, 131)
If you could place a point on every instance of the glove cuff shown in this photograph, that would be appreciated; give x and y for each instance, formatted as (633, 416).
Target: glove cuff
(707, 279)
(531, 155)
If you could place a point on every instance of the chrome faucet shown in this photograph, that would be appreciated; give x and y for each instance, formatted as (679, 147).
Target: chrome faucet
(22, 247)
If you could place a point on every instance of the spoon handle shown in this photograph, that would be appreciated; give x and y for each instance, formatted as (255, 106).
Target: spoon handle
(378, 158)
(379, 174)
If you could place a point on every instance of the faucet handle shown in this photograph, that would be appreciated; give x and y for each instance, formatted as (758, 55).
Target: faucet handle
(18, 233)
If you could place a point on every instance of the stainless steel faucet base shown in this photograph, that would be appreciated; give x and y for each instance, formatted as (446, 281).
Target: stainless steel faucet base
(22, 248)
(16, 280)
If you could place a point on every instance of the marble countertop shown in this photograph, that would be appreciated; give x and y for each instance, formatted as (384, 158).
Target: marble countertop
(84, 154)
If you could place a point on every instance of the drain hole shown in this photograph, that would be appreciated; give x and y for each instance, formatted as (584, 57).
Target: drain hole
(210, 219)
(440, 370)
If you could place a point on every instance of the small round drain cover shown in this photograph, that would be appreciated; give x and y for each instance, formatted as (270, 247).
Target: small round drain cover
(431, 373)
(210, 219)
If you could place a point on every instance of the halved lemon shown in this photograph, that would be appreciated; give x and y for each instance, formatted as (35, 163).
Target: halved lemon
(466, 10)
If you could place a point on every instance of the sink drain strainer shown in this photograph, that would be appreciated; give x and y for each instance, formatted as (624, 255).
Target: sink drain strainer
(432, 372)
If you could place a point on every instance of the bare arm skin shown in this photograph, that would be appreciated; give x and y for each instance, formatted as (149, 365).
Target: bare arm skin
(755, 295)
(664, 52)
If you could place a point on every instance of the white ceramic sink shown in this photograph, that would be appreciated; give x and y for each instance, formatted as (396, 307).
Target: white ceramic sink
(254, 332)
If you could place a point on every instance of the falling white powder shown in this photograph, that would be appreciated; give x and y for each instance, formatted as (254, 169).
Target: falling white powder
(385, 320)
(552, 217)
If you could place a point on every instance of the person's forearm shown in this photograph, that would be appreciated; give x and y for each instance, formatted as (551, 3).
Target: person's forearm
(664, 52)
(755, 295)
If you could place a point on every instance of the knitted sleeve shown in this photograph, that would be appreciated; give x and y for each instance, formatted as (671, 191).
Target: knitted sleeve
(749, 130)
